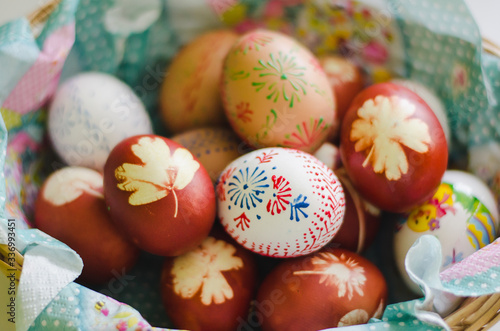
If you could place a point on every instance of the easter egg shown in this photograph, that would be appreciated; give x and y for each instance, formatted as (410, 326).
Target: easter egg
(361, 221)
(70, 207)
(346, 81)
(275, 93)
(330, 288)
(209, 287)
(91, 113)
(432, 100)
(190, 94)
(393, 147)
(214, 147)
(329, 154)
(462, 214)
(159, 194)
(280, 202)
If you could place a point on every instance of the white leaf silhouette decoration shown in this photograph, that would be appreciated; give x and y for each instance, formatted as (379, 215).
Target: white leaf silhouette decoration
(202, 269)
(159, 174)
(344, 273)
(383, 125)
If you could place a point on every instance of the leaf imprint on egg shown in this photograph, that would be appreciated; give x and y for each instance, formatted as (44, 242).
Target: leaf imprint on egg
(383, 126)
(201, 269)
(159, 174)
(342, 272)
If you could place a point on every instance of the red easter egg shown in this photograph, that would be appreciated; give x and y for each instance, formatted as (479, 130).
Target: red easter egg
(330, 288)
(70, 207)
(209, 287)
(361, 221)
(346, 81)
(393, 147)
(159, 194)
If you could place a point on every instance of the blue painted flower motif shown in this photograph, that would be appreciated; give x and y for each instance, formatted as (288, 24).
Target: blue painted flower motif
(297, 205)
(245, 187)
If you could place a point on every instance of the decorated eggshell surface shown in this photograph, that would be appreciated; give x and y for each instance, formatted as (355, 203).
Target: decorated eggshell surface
(280, 202)
(275, 93)
(462, 214)
(91, 113)
(393, 147)
(214, 147)
(190, 95)
(330, 288)
(159, 194)
(209, 287)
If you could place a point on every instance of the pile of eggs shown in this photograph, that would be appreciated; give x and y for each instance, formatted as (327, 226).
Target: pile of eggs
(274, 152)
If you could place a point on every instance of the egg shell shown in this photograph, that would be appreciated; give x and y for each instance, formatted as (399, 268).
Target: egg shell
(275, 93)
(210, 287)
(159, 194)
(432, 100)
(214, 147)
(91, 113)
(70, 207)
(346, 81)
(330, 288)
(361, 221)
(393, 147)
(280, 202)
(462, 214)
(190, 94)
(329, 154)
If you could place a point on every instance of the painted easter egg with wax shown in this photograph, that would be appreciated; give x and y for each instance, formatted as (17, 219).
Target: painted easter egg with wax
(393, 147)
(159, 194)
(462, 214)
(210, 287)
(327, 289)
(280, 202)
(275, 93)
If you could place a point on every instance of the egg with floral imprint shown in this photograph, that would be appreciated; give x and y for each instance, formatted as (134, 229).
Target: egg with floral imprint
(159, 194)
(280, 202)
(462, 214)
(210, 287)
(393, 147)
(70, 207)
(275, 92)
(327, 289)
(214, 147)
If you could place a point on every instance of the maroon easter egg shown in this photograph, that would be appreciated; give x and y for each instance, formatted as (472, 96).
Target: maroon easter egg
(330, 288)
(209, 287)
(159, 194)
(393, 147)
(70, 207)
(346, 81)
(361, 221)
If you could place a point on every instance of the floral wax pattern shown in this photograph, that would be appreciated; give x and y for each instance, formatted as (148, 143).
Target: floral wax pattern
(276, 209)
(273, 94)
